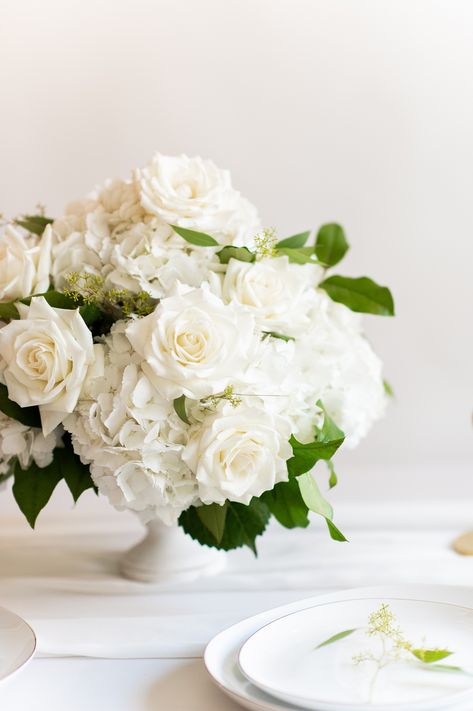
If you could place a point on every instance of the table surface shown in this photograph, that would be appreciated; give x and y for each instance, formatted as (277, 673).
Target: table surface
(106, 643)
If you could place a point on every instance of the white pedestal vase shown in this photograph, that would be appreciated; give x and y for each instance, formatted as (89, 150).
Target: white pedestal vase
(167, 554)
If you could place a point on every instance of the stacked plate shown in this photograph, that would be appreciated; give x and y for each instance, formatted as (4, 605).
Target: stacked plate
(327, 653)
(17, 643)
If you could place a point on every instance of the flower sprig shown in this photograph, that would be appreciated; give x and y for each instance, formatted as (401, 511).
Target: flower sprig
(90, 289)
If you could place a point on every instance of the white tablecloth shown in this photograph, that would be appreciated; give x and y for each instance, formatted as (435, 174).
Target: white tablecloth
(124, 646)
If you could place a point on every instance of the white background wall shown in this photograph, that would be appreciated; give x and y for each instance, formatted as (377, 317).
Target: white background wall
(357, 111)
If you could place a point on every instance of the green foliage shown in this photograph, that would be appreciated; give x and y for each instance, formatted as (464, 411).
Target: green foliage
(295, 241)
(305, 456)
(300, 255)
(75, 473)
(281, 336)
(331, 244)
(8, 311)
(180, 409)
(242, 524)
(314, 501)
(360, 294)
(242, 254)
(336, 637)
(34, 223)
(286, 504)
(28, 416)
(199, 239)
(429, 656)
(388, 389)
(32, 487)
(333, 479)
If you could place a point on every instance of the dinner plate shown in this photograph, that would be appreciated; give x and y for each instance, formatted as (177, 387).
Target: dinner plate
(353, 655)
(221, 654)
(17, 643)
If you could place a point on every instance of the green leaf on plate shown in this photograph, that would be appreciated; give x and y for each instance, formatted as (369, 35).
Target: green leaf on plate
(298, 240)
(180, 409)
(242, 525)
(360, 294)
(336, 637)
(34, 223)
(331, 244)
(314, 501)
(242, 254)
(286, 504)
(200, 239)
(28, 416)
(429, 656)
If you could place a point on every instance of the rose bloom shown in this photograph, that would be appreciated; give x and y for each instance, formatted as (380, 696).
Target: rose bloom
(238, 453)
(189, 192)
(24, 263)
(278, 294)
(194, 344)
(46, 355)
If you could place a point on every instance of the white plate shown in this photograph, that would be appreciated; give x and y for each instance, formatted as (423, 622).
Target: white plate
(282, 657)
(17, 643)
(221, 654)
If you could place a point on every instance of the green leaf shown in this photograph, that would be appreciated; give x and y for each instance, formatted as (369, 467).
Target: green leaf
(213, 517)
(242, 525)
(281, 336)
(302, 255)
(331, 244)
(242, 254)
(333, 479)
(200, 239)
(76, 474)
(329, 430)
(444, 668)
(429, 656)
(336, 637)
(33, 487)
(388, 389)
(307, 455)
(34, 223)
(180, 409)
(28, 416)
(286, 504)
(315, 502)
(360, 294)
(298, 240)
(8, 311)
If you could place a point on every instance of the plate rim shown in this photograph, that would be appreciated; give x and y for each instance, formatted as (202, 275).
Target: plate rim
(31, 654)
(456, 697)
(444, 591)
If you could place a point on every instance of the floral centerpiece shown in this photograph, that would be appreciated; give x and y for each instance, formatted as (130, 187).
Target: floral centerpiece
(160, 345)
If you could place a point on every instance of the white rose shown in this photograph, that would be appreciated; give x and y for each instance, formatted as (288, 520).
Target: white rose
(277, 293)
(46, 355)
(238, 454)
(194, 344)
(73, 255)
(24, 263)
(189, 192)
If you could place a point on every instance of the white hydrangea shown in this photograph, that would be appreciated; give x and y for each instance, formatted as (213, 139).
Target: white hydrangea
(27, 444)
(131, 437)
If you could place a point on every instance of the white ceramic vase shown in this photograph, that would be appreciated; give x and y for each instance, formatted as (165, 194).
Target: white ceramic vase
(167, 554)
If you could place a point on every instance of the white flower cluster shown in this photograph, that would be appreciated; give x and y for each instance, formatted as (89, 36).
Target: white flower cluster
(27, 444)
(195, 402)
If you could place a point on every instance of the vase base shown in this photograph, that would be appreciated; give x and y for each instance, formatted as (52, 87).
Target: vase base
(167, 555)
